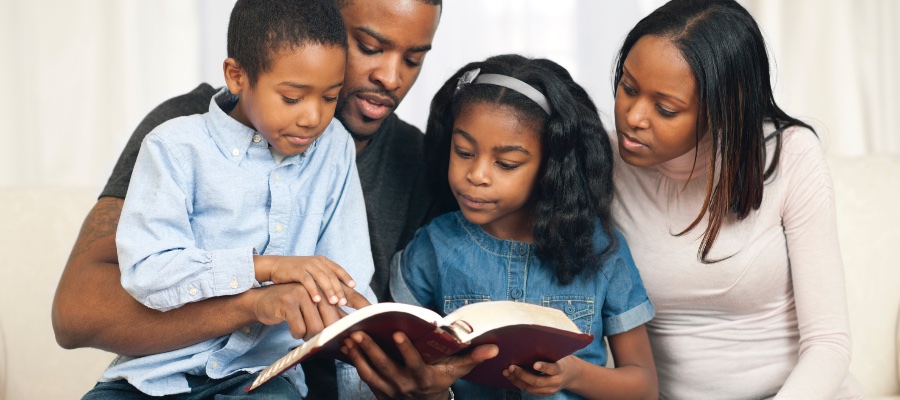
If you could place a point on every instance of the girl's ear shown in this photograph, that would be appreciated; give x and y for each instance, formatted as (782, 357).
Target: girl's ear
(235, 78)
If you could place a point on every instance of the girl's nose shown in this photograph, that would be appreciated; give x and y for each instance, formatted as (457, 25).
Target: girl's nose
(479, 173)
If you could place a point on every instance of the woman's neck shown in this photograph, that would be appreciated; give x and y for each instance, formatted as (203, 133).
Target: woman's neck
(690, 165)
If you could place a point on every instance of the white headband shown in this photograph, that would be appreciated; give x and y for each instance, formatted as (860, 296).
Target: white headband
(507, 82)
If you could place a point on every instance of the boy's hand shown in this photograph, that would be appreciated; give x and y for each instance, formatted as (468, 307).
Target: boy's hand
(291, 302)
(557, 376)
(314, 272)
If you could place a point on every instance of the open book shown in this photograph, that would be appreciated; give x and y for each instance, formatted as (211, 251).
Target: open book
(525, 333)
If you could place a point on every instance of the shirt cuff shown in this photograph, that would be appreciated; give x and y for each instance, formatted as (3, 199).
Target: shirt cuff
(628, 320)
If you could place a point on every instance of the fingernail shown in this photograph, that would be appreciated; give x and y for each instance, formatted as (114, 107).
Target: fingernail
(344, 350)
(334, 299)
(316, 298)
(351, 284)
(343, 302)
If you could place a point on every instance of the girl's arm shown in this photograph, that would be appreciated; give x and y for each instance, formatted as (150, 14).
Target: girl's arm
(634, 376)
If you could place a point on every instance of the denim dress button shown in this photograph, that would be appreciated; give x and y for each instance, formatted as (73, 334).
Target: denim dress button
(570, 309)
(517, 293)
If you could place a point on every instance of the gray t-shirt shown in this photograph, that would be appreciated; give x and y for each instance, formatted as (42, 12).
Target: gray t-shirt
(391, 170)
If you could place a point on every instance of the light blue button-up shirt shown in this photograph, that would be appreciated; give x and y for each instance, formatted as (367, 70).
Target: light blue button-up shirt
(205, 196)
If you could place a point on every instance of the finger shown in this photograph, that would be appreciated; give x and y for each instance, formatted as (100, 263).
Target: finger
(294, 318)
(320, 269)
(411, 356)
(329, 313)
(342, 274)
(379, 359)
(336, 274)
(515, 380)
(535, 382)
(365, 370)
(311, 318)
(547, 368)
(355, 299)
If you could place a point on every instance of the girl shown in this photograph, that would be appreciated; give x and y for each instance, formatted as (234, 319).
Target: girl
(727, 204)
(530, 169)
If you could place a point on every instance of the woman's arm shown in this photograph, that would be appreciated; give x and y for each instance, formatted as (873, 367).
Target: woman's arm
(634, 376)
(817, 272)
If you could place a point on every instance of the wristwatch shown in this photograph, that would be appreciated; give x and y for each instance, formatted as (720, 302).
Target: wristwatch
(452, 396)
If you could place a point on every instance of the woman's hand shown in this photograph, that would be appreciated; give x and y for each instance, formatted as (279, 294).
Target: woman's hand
(415, 380)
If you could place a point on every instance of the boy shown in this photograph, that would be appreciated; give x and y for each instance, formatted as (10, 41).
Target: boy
(261, 188)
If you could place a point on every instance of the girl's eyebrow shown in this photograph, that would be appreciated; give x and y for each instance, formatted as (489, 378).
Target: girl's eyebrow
(496, 149)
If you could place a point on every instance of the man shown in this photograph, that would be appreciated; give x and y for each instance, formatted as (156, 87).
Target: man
(388, 41)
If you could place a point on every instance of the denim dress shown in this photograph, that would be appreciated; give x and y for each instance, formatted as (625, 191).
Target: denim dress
(451, 262)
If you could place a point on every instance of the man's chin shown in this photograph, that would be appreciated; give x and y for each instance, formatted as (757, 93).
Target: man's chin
(359, 129)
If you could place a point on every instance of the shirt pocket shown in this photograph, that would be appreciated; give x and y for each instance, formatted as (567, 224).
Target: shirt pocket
(580, 309)
(451, 303)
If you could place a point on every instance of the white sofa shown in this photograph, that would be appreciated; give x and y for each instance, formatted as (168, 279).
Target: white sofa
(38, 228)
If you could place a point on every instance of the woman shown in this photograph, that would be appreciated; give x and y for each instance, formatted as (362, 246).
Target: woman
(728, 207)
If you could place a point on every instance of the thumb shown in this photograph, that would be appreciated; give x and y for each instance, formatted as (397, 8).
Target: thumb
(484, 352)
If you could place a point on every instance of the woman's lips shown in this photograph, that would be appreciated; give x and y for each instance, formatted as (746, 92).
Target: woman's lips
(630, 143)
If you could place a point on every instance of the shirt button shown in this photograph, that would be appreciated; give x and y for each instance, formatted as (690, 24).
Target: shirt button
(235, 152)
(570, 309)
(234, 283)
(277, 178)
(192, 291)
(256, 138)
(278, 228)
(215, 365)
(516, 293)
(246, 330)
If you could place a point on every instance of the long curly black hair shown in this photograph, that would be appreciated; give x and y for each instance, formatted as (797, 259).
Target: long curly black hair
(575, 185)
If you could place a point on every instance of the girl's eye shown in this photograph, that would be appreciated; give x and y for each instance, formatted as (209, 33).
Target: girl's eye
(462, 153)
(507, 166)
(628, 89)
(290, 100)
(665, 112)
(330, 99)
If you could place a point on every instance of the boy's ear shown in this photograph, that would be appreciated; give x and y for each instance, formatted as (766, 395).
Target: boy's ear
(235, 78)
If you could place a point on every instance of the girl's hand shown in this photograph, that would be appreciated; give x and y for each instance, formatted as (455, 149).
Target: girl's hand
(316, 273)
(557, 376)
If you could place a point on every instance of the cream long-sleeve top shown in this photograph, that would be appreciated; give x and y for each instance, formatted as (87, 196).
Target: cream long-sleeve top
(771, 319)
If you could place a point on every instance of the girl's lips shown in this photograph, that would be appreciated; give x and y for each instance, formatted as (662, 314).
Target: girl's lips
(631, 144)
(473, 203)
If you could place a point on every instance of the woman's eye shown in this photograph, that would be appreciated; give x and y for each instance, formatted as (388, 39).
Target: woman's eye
(290, 100)
(628, 89)
(665, 112)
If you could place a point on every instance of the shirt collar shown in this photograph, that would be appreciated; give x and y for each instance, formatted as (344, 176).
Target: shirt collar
(233, 138)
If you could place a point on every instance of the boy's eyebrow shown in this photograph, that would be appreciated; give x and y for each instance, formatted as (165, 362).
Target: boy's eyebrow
(390, 43)
(296, 85)
(496, 149)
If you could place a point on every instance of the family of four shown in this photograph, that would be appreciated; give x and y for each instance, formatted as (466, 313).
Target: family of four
(696, 238)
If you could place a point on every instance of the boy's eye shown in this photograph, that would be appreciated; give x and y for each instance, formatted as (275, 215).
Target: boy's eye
(290, 100)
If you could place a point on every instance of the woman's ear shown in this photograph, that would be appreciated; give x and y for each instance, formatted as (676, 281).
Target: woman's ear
(235, 78)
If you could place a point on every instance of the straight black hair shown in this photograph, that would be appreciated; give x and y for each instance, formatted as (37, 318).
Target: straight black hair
(725, 50)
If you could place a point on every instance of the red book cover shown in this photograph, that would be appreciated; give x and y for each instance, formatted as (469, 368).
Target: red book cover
(525, 333)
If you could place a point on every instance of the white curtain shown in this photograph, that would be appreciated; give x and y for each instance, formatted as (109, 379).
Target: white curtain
(77, 77)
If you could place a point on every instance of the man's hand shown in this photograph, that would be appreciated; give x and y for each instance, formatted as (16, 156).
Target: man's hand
(416, 380)
(292, 302)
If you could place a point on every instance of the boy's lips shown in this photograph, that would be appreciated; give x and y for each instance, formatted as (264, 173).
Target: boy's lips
(299, 140)
(373, 106)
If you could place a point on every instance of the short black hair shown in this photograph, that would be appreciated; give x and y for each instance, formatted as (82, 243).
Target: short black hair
(259, 28)
(439, 3)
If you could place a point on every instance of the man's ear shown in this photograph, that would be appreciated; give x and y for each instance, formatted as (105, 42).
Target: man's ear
(235, 78)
